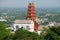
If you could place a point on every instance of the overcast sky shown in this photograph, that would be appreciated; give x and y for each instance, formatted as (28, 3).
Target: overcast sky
(24, 3)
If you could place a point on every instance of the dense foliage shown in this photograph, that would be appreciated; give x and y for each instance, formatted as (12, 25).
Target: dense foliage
(25, 35)
(53, 33)
(4, 33)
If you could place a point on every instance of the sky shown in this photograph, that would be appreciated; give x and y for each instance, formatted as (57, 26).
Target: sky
(24, 3)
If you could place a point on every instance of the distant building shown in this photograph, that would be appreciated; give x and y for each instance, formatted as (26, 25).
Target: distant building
(54, 24)
(42, 20)
(2, 20)
(57, 24)
(49, 14)
(51, 23)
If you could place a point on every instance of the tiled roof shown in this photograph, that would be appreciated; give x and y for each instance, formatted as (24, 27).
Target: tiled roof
(22, 21)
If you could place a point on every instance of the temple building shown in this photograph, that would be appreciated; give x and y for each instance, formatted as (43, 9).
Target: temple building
(25, 24)
(30, 23)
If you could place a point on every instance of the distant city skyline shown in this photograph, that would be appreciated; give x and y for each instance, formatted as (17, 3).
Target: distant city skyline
(24, 3)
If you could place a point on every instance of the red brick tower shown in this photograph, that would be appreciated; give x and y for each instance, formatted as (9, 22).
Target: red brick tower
(31, 14)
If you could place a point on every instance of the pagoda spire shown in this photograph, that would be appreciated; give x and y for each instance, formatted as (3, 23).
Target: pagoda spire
(31, 14)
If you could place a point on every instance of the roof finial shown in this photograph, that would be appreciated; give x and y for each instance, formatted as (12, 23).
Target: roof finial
(30, 1)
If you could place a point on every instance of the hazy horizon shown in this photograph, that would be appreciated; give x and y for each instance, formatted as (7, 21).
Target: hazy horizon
(24, 3)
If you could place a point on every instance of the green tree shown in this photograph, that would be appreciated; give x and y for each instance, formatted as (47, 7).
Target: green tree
(4, 33)
(53, 34)
(25, 35)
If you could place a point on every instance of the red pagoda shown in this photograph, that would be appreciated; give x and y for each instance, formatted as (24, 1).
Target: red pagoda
(31, 14)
